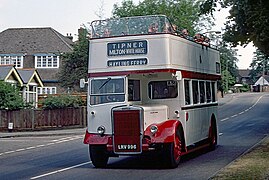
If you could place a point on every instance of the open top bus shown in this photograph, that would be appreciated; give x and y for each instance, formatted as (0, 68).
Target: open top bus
(149, 91)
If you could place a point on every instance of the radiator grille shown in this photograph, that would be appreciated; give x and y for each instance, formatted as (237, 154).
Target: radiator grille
(127, 138)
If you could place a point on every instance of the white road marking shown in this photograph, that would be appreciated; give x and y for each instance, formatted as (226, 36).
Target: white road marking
(43, 145)
(224, 119)
(246, 110)
(30, 148)
(18, 150)
(49, 144)
(60, 170)
(220, 134)
(9, 152)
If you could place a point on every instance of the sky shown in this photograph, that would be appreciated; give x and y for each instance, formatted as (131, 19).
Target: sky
(67, 16)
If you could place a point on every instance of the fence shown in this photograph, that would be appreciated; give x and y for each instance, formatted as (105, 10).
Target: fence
(34, 119)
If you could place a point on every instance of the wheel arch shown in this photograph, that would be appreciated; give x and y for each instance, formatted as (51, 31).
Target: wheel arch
(213, 124)
(166, 132)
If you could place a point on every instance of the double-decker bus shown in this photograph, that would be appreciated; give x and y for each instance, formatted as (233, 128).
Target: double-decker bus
(149, 90)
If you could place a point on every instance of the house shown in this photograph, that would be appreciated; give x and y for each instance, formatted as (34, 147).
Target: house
(31, 82)
(261, 85)
(27, 80)
(38, 48)
(244, 77)
(8, 73)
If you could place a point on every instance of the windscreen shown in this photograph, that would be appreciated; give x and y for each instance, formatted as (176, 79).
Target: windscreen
(107, 90)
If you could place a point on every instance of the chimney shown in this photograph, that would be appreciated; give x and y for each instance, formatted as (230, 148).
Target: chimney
(69, 36)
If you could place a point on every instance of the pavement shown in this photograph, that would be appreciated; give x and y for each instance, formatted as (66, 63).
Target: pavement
(78, 131)
(227, 98)
(58, 132)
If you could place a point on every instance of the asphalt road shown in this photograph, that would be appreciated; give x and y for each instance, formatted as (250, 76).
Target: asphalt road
(243, 122)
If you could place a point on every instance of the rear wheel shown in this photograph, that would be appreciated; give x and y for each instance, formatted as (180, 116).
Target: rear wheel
(213, 136)
(98, 155)
(172, 152)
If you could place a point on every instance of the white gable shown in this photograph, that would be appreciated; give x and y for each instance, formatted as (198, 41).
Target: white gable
(261, 81)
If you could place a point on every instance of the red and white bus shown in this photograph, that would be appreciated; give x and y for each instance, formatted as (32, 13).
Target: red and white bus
(149, 91)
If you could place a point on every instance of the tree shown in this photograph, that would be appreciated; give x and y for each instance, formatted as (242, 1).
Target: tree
(259, 65)
(10, 97)
(75, 64)
(247, 22)
(228, 66)
(183, 13)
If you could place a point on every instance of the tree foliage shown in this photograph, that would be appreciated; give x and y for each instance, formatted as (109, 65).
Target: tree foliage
(259, 65)
(248, 21)
(62, 101)
(228, 66)
(75, 63)
(10, 97)
(183, 13)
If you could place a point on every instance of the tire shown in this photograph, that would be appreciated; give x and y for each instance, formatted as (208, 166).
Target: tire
(98, 155)
(213, 137)
(172, 152)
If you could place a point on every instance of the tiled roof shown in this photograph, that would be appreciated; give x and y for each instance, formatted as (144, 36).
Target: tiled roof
(266, 77)
(26, 74)
(244, 72)
(4, 70)
(33, 41)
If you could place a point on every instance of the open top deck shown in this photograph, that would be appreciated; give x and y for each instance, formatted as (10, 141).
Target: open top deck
(145, 44)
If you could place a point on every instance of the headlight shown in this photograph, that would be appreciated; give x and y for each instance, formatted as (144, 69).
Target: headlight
(101, 130)
(153, 129)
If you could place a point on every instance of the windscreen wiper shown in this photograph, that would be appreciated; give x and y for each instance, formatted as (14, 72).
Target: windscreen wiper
(108, 79)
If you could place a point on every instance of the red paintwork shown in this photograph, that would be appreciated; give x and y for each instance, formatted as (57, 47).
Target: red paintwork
(187, 116)
(165, 133)
(185, 74)
(127, 130)
(95, 138)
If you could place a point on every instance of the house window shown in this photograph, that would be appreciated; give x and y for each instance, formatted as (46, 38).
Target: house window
(46, 61)
(46, 90)
(16, 60)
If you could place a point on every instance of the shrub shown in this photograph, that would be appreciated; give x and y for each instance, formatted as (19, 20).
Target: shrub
(245, 88)
(10, 97)
(62, 101)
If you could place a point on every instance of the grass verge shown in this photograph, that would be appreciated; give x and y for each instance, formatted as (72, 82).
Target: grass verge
(252, 165)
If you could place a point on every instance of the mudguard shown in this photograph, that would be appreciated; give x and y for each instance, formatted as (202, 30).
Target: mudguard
(96, 139)
(166, 131)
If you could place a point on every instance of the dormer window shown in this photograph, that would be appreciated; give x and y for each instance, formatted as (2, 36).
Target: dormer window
(11, 59)
(46, 61)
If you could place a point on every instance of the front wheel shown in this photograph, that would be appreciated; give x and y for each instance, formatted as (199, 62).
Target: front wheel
(172, 152)
(98, 155)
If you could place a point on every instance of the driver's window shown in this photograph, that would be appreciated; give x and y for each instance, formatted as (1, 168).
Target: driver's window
(134, 90)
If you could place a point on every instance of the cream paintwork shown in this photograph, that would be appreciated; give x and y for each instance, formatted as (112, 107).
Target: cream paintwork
(165, 51)
(154, 114)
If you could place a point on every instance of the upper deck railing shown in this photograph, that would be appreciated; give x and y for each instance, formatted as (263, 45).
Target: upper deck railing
(141, 25)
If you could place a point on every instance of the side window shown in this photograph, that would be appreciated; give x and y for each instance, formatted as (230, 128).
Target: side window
(162, 89)
(208, 92)
(134, 90)
(187, 92)
(195, 92)
(213, 92)
(202, 91)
